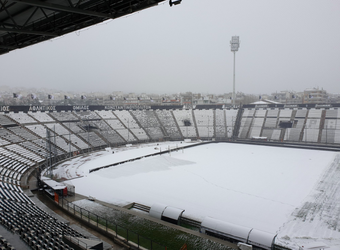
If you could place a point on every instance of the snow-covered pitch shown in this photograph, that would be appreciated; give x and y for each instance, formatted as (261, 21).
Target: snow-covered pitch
(292, 192)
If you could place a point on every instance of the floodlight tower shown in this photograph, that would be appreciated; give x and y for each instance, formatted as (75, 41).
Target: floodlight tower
(234, 45)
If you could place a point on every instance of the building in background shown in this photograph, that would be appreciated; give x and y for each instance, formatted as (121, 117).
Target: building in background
(314, 95)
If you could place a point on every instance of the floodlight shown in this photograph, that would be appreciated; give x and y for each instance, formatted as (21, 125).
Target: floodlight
(235, 43)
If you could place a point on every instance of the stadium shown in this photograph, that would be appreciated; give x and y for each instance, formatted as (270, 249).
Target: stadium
(37, 140)
(255, 176)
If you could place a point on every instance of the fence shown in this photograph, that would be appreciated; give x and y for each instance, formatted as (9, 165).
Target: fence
(122, 233)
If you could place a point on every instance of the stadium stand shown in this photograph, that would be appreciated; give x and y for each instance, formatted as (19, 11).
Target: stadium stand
(169, 124)
(3, 142)
(273, 112)
(127, 135)
(24, 152)
(33, 148)
(185, 121)
(271, 123)
(99, 125)
(147, 119)
(112, 137)
(294, 134)
(247, 118)
(57, 128)
(64, 116)
(41, 116)
(220, 125)
(230, 115)
(260, 113)
(92, 138)
(78, 142)
(9, 136)
(205, 123)
(301, 113)
(75, 127)
(315, 113)
(126, 118)
(5, 245)
(5, 121)
(129, 124)
(87, 115)
(23, 146)
(64, 144)
(22, 132)
(21, 118)
(256, 127)
(311, 130)
(115, 124)
(37, 129)
(106, 114)
(285, 113)
(333, 113)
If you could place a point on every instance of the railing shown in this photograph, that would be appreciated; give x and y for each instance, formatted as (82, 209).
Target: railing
(77, 242)
(122, 233)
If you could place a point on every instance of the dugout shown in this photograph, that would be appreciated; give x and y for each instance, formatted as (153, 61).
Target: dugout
(166, 213)
(237, 233)
(53, 188)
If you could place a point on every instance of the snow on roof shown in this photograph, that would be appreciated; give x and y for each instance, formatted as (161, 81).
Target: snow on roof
(259, 102)
(264, 238)
(53, 184)
(265, 102)
(237, 231)
(156, 210)
(172, 213)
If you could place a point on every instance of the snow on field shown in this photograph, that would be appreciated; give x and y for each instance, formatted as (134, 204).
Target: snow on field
(76, 167)
(272, 189)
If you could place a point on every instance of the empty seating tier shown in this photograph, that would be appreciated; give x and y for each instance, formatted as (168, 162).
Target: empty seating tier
(21, 118)
(185, 121)
(9, 136)
(23, 132)
(87, 115)
(64, 116)
(92, 138)
(168, 122)
(112, 137)
(58, 129)
(41, 116)
(4, 121)
(106, 114)
(37, 129)
(205, 123)
(24, 152)
(125, 117)
(220, 124)
(148, 120)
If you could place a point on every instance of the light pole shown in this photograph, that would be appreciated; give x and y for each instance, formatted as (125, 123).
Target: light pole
(234, 45)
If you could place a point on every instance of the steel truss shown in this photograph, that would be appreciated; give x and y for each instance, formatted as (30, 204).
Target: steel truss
(27, 22)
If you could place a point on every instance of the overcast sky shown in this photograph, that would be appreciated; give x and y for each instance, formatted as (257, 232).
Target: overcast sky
(285, 45)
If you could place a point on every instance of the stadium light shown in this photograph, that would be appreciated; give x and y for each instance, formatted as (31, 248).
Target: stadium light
(234, 45)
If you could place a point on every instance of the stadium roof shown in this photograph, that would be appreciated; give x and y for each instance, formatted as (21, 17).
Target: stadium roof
(27, 22)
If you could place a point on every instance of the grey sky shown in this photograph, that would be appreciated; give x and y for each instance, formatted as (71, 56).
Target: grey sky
(285, 45)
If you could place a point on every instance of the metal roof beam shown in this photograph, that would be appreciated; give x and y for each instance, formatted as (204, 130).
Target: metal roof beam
(61, 8)
(29, 32)
(7, 47)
